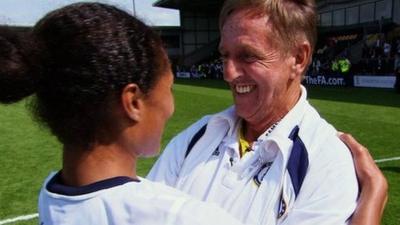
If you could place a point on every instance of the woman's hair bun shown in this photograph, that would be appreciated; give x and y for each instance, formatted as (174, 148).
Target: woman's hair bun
(17, 79)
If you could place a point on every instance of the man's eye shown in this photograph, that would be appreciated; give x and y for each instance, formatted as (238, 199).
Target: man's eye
(249, 58)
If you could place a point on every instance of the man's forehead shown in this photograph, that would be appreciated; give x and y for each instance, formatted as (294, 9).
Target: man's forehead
(236, 26)
(245, 39)
(245, 47)
(246, 16)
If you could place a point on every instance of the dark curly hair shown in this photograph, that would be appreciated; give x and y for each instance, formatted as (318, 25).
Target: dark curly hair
(76, 61)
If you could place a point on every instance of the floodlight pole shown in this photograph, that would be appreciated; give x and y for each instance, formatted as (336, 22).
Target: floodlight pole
(134, 8)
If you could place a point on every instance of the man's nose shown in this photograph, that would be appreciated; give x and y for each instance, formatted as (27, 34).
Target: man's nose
(232, 70)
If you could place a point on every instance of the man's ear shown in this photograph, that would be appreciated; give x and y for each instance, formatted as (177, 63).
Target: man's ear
(302, 56)
(132, 102)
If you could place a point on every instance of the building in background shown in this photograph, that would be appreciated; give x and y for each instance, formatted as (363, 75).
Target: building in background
(346, 19)
(171, 36)
(199, 27)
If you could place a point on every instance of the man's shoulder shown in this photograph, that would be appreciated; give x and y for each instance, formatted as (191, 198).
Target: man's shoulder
(320, 138)
(227, 114)
(328, 156)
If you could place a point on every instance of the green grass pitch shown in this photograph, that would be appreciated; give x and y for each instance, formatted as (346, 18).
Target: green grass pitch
(28, 152)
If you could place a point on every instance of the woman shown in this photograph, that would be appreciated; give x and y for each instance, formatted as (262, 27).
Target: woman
(102, 84)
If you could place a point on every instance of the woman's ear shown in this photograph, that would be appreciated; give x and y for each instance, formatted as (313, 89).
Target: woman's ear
(302, 57)
(132, 102)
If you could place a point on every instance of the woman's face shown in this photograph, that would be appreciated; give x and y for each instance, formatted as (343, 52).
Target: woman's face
(158, 108)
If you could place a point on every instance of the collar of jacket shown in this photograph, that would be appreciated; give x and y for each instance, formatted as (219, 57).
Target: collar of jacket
(279, 136)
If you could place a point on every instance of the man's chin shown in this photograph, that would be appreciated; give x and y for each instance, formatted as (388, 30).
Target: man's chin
(244, 114)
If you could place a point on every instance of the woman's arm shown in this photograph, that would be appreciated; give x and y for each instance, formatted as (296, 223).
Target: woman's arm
(374, 187)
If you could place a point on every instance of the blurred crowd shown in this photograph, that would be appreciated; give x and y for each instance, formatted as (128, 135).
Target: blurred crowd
(211, 69)
(379, 56)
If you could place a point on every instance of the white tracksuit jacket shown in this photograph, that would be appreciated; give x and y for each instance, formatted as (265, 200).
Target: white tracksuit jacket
(124, 201)
(299, 174)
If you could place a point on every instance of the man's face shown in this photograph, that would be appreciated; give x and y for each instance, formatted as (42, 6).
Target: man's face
(258, 72)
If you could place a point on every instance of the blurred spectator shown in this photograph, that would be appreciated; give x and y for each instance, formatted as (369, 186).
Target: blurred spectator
(344, 65)
(365, 51)
(397, 85)
(316, 66)
(335, 66)
(379, 45)
(397, 55)
(386, 49)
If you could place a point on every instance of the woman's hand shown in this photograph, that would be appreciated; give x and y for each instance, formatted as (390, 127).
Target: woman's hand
(374, 187)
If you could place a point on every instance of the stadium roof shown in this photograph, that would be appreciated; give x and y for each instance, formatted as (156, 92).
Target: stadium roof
(215, 5)
(200, 5)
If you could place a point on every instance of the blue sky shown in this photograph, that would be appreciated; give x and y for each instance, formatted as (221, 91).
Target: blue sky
(27, 12)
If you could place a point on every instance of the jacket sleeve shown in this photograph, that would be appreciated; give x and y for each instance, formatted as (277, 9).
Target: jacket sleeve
(330, 190)
(167, 168)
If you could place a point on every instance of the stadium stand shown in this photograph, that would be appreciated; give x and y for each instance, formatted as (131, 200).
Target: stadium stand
(356, 38)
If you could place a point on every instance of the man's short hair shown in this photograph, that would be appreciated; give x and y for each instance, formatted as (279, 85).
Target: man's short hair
(292, 20)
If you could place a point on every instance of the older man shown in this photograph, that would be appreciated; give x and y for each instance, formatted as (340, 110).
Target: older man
(269, 159)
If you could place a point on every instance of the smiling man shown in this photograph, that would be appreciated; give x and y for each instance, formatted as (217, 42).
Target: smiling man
(270, 158)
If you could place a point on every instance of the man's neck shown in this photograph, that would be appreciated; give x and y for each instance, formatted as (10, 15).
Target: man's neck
(253, 129)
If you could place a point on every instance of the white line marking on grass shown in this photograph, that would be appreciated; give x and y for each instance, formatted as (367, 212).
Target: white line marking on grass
(19, 218)
(387, 159)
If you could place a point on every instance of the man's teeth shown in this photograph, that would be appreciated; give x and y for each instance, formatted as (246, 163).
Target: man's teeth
(243, 89)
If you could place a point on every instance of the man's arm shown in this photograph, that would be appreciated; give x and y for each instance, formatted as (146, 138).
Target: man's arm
(374, 187)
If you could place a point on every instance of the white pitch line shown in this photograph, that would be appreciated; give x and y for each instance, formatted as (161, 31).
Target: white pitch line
(387, 159)
(19, 218)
